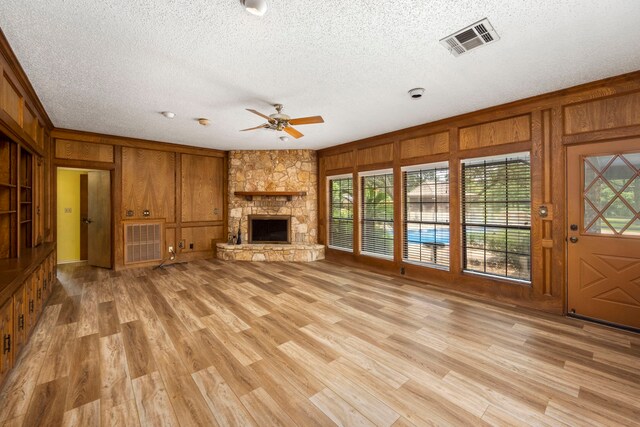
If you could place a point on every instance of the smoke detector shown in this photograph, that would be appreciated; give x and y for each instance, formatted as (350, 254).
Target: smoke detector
(416, 93)
(475, 35)
(168, 114)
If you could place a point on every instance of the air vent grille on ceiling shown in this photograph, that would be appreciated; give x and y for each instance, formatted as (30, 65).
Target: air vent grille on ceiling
(471, 37)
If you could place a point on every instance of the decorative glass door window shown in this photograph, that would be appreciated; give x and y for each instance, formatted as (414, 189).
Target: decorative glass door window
(611, 196)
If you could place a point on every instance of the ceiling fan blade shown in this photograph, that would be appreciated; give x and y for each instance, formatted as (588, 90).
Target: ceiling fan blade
(269, 119)
(306, 120)
(293, 132)
(257, 127)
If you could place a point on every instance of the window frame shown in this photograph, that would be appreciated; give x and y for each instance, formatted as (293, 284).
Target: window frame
(404, 207)
(361, 207)
(329, 209)
(463, 223)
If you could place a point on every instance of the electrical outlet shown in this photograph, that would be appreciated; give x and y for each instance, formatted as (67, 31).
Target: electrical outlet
(190, 245)
(181, 244)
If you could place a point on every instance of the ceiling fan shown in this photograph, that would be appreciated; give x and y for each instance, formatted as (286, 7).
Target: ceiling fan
(282, 122)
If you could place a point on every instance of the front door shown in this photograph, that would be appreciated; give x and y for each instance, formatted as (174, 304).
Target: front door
(99, 219)
(603, 181)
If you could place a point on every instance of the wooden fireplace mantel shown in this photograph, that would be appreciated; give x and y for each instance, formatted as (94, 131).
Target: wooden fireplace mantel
(248, 195)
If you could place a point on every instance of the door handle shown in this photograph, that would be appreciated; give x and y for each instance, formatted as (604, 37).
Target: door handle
(86, 221)
(573, 239)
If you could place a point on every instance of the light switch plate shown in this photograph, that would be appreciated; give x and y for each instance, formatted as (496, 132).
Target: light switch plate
(67, 210)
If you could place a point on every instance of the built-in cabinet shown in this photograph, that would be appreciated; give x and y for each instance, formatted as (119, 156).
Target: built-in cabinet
(8, 199)
(25, 287)
(21, 199)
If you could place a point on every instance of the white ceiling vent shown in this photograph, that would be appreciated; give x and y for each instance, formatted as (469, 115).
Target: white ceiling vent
(471, 37)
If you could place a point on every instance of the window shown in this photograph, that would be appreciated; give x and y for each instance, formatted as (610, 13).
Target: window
(376, 189)
(496, 217)
(426, 214)
(341, 212)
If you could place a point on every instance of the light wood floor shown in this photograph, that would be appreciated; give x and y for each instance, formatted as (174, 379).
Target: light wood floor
(212, 343)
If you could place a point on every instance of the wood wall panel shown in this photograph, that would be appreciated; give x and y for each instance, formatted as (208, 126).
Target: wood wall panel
(11, 99)
(499, 132)
(202, 188)
(374, 155)
(202, 238)
(29, 122)
(78, 150)
(424, 145)
(148, 183)
(609, 113)
(339, 161)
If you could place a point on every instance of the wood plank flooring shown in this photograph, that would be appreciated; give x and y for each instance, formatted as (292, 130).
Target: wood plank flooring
(211, 343)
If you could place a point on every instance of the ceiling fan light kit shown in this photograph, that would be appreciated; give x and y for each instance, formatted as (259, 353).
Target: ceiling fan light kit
(255, 7)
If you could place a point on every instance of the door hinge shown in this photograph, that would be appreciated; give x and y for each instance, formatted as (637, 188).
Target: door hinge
(6, 344)
(44, 284)
(39, 293)
(21, 322)
(30, 306)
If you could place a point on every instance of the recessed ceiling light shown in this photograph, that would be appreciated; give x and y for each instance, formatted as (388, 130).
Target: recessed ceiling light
(255, 7)
(204, 122)
(416, 93)
(168, 114)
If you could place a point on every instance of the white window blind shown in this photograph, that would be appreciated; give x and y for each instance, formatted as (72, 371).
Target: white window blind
(426, 214)
(376, 189)
(496, 216)
(341, 213)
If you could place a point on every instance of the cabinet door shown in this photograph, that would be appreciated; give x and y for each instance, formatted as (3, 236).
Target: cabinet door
(148, 184)
(38, 289)
(30, 300)
(202, 188)
(19, 319)
(6, 332)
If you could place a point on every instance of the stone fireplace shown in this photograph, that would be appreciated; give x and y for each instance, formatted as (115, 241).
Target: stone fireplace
(273, 171)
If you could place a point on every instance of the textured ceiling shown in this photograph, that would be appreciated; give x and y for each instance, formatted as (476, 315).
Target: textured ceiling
(110, 66)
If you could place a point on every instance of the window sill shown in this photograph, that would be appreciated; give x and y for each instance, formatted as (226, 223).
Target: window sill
(506, 280)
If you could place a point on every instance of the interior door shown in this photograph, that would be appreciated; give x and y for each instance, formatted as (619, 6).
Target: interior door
(603, 182)
(99, 218)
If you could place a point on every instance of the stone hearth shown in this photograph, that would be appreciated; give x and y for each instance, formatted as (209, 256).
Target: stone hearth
(270, 252)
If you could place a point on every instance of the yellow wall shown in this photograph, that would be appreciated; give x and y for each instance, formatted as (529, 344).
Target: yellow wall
(69, 223)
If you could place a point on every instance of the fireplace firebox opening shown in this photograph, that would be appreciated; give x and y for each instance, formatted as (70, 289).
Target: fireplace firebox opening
(269, 229)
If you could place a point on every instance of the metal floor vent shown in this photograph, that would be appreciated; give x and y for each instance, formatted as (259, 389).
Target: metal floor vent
(142, 242)
(471, 37)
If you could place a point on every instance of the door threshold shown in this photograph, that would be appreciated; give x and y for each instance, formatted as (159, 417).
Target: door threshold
(604, 323)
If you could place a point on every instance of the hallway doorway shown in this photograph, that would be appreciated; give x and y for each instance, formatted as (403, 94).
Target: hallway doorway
(84, 216)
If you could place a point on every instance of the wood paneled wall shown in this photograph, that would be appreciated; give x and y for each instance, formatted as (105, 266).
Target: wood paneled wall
(607, 110)
(185, 187)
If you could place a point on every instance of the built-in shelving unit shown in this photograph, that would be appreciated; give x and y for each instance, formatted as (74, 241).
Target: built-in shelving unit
(26, 199)
(249, 195)
(8, 199)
